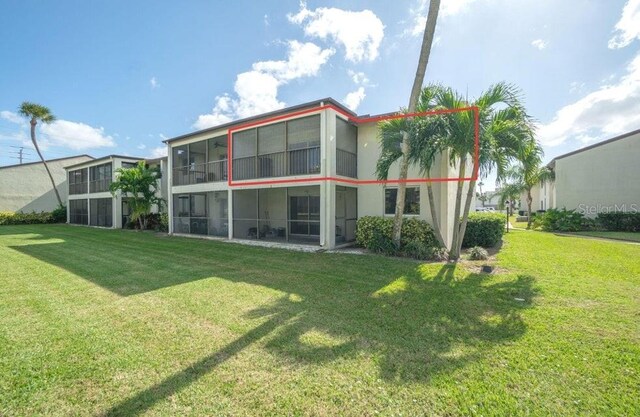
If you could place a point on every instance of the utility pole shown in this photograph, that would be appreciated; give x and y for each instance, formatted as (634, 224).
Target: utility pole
(21, 154)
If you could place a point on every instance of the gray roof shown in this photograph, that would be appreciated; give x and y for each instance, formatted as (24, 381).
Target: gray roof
(595, 145)
(302, 106)
(104, 158)
(48, 160)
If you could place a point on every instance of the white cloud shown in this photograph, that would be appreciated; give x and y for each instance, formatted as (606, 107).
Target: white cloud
(76, 135)
(141, 146)
(257, 90)
(354, 98)
(154, 83)
(66, 134)
(359, 78)
(539, 44)
(158, 152)
(610, 110)
(163, 136)
(266, 20)
(576, 87)
(12, 117)
(360, 33)
(628, 27)
(447, 8)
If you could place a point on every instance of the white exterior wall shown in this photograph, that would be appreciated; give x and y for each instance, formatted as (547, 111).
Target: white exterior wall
(116, 203)
(27, 187)
(604, 178)
(370, 200)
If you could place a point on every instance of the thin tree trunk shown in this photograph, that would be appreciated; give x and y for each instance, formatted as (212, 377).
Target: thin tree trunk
(425, 51)
(46, 166)
(465, 215)
(434, 214)
(529, 203)
(454, 253)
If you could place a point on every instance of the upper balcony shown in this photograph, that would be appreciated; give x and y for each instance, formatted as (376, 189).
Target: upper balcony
(200, 162)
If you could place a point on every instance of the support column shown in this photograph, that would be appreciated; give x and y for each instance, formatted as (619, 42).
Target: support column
(230, 213)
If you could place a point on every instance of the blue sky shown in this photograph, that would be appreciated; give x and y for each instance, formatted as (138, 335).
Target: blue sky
(121, 76)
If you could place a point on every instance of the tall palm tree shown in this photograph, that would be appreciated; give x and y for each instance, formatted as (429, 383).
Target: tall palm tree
(425, 51)
(425, 144)
(35, 112)
(528, 173)
(504, 128)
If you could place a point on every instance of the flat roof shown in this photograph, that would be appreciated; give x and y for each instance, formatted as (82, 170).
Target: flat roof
(104, 158)
(285, 110)
(595, 145)
(48, 160)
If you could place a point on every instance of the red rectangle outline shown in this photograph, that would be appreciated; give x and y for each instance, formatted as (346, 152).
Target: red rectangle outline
(358, 120)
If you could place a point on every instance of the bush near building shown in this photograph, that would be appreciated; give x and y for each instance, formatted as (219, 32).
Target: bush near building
(484, 229)
(58, 215)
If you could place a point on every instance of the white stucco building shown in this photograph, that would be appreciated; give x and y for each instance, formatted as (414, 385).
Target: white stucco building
(602, 177)
(303, 174)
(27, 187)
(89, 200)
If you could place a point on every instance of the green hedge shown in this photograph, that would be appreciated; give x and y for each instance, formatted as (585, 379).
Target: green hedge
(619, 221)
(563, 220)
(484, 229)
(58, 215)
(412, 230)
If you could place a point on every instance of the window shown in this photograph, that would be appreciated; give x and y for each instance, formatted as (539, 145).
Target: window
(303, 133)
(129, 165)
(100, 178)
(411, 200)
(304, 215)
(78, 181)
(78, 212)
(101, 213)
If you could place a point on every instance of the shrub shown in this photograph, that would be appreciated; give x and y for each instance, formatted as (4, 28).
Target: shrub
(59, 215)
(619, 221)
(478, 253)
(380, 243)
(563, 220)
(412, 230)
(484, 229)
(11, 218)
(417, 250)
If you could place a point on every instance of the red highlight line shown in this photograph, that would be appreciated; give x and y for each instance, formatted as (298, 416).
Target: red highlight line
(358, 120)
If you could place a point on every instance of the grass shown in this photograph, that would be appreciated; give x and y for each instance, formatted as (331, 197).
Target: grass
(629, 236)
(110, 322)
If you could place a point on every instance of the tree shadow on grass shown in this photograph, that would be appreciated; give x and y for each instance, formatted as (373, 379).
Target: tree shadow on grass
(417, 321)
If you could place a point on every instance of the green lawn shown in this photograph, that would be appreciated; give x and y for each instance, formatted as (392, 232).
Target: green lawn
(124, 323)
(630, 236)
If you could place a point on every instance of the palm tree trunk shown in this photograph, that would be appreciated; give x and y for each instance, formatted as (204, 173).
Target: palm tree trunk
(425, 51)
(454, 253)
(46, 166)
(529, 203)
(434, 214)
(465, 214)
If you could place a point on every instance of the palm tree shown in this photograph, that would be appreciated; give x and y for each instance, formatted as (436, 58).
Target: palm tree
(139, 184)
(424, 145)
(35, 112)
(528, 173)
(425, 51)
(504, 128)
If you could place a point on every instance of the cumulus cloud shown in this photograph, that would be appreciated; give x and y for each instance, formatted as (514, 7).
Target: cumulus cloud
(257, 90)
(610, 110)
(628, 27)
(360, 33)
(354, 98)
(539, 44)
(359, 78)
(158, 152)
(12, 117)
(63, 133)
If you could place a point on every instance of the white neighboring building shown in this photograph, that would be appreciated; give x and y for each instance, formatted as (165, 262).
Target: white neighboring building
(91, 203)
(27, 187)
(603, 177)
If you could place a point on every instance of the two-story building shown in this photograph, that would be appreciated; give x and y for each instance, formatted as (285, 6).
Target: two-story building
(89, 200)
(303, 174)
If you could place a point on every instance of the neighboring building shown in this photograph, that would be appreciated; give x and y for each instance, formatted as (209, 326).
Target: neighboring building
(27, 187)
(291, 179)
(603, 177)
(491, 199)
(90, 202)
